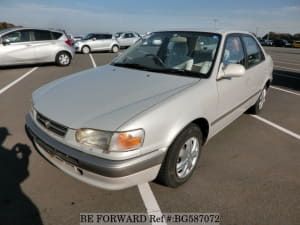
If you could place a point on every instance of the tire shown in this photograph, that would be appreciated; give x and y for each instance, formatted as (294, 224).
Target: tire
(114, 49)
(63, 59)
(181, 160)
(258, 106)
(85, 49)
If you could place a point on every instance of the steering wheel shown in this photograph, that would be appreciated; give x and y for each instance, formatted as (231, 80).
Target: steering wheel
(156, 59)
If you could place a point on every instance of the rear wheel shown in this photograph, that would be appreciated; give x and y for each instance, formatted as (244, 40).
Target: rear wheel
(63, 59)
(85, 49)
(182, 157)
(115, 49)
(257, 107)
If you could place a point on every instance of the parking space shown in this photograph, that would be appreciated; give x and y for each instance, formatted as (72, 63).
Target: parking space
(7, 75)
(249, 172)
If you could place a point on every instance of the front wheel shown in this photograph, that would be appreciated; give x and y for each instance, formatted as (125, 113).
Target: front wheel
(182, 157)
(63, 59)
(257, 107)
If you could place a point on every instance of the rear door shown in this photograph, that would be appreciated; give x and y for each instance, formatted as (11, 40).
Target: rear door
(97, 42)
(107, 41)
(17, 49)
(256, 66)
(44, 46)
(128, 39)
(232, 91)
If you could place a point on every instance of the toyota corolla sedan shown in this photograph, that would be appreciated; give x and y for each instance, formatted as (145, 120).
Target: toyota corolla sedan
(148, 114)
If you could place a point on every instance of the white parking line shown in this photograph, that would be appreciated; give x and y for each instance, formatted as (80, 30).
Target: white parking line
(284, 90)
(287, 76)
(291, 133)
(150, 201)
(93, 60)
(17, 80)
(282, 67)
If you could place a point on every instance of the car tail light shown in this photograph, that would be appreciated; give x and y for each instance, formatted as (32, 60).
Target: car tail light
(68, 42)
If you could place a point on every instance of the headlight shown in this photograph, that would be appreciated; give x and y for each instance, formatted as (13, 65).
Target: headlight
(95, 138)
(118, 141)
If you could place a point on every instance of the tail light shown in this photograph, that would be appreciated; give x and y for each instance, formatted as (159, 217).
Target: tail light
(69, 42)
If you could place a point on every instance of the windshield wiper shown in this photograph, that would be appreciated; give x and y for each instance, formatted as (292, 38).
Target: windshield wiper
(183, 72)
(132, 65)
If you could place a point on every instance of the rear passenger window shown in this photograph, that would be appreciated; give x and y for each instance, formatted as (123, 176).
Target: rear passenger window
(254, 53)
(107, 36)
(56, 35)
(128, 35)
(99, 36)
(42, 35)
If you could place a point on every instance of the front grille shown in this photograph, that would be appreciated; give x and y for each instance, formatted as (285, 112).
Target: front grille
(53, 152)
(50, 125)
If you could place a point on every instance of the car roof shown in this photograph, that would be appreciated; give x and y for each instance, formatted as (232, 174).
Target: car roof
(101, 33)
(121, 32)
(221, 32)
(31, 28)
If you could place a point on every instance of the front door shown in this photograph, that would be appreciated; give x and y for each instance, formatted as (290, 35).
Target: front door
(232, 91)
(15, 48)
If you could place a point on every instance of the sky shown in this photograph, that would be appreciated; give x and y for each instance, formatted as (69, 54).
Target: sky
(82, 17)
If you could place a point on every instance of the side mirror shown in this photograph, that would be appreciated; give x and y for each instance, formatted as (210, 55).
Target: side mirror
(93, 39)
(5, 42)
(232, 70)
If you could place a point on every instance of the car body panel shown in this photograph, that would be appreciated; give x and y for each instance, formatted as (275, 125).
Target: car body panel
(32, 51)
(123, 93)
(96, 44)
(120, 99)
(126, 41)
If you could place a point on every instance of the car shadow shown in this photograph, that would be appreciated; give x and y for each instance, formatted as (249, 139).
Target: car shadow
(15, 207)
(286, 79)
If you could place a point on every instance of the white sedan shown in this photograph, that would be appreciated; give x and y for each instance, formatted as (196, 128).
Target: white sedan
(148, 114)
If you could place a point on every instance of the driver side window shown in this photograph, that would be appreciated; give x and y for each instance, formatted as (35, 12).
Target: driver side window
(233, 52)
(18, 36)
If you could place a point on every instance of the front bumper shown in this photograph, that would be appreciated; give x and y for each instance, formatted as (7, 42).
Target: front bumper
(103, 173)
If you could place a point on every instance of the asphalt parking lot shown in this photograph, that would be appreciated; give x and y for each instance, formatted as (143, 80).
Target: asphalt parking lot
(249, 172)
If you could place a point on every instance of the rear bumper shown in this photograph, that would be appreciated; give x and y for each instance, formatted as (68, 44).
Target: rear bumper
(103, 173)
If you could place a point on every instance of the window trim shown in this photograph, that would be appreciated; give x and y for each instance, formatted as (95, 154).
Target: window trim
(34, 37)
(242, 43)
(241, 35)
(259, 48)
(30, 36)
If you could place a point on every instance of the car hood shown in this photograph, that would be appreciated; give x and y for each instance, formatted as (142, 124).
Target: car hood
(106, 97)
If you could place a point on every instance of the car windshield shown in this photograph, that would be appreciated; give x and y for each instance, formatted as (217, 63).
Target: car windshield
(182, 53)
(88, 36)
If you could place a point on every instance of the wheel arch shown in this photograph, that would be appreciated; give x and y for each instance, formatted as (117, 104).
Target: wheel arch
(202, 123)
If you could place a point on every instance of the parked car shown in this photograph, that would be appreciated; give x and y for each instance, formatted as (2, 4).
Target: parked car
(296, 44)
(281, 43)
(148, 114)
(77, 38)
(97, 42)
(28, 46)
(127, 39)
(265, 42)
